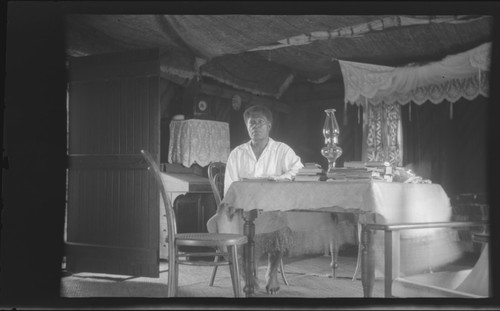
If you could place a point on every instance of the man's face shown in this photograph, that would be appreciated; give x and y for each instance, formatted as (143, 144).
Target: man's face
(258, 126)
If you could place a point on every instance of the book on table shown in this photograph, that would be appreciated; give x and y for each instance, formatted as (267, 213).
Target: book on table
(310, 169)
(346, 173)
(310, 172)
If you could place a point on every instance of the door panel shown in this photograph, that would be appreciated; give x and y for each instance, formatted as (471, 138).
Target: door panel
(113, 202)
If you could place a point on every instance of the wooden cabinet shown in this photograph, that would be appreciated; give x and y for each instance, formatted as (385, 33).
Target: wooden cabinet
(193, 202)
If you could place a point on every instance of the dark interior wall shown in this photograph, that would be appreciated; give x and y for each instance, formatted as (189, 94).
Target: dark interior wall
(237, 129)
(305, 133)
(170, 105)
(304, 125)
(300, 128)
(449, 151)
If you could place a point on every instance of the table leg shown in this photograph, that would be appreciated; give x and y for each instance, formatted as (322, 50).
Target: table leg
(249, 252)
(367, 262)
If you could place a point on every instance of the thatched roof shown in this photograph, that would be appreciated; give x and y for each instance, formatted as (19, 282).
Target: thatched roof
(263, 54)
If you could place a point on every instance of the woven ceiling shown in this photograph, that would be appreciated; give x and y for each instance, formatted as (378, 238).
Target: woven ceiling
(249, 52)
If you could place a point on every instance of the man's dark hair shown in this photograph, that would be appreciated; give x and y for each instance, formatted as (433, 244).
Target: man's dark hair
(258, 109)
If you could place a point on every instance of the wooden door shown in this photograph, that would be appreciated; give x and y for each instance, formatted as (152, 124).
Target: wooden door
(113, 203)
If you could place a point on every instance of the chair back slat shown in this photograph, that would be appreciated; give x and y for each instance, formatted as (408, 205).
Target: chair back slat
(216, 171)
(169, 211)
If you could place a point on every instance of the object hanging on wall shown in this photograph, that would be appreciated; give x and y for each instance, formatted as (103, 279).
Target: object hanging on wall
(204, 107)
(197, 105)
(236, 102)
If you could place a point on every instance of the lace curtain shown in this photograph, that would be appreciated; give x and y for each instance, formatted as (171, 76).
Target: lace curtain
(382, 89)
(456, 76)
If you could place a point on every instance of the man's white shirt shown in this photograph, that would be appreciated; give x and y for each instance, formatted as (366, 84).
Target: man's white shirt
(277, 160)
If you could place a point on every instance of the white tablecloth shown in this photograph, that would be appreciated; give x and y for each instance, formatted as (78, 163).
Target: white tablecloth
(391, 202)
(388, 202)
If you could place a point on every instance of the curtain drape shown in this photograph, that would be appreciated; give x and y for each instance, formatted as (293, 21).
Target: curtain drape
(451, 152)
(383, 133)
(463, 75)
(380, 89)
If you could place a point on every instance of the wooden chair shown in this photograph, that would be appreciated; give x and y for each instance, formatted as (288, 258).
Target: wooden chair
(174, 240)
(216, 171)
(471, 282)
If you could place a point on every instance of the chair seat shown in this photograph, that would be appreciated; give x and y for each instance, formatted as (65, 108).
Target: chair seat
(210, 239)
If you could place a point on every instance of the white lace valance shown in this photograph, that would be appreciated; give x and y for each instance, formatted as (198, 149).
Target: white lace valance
(198, 141)
(461, 75)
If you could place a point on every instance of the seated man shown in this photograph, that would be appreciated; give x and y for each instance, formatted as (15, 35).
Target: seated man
(263, 157)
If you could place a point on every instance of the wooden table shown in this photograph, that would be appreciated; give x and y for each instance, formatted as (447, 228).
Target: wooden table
(374, 201)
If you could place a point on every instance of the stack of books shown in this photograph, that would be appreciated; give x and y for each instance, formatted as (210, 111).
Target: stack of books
(349, 173)
(354, 164)
(361, 170)
(310, 172)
